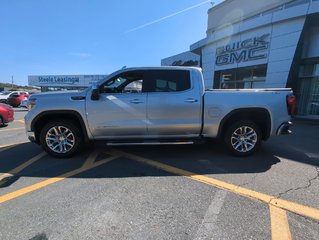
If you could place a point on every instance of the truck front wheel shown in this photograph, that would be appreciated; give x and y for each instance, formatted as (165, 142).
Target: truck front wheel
(243, 138)
(61, 139)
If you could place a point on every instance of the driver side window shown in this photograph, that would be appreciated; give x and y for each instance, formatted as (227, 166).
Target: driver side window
(128, 82)
(133, 87)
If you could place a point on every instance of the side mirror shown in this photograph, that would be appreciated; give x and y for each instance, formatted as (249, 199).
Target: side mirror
(95, 93)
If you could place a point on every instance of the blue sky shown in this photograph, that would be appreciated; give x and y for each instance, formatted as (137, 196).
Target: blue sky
(94, 36)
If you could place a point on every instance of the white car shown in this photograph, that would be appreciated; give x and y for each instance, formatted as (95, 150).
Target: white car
(5, 95)
(24, 103)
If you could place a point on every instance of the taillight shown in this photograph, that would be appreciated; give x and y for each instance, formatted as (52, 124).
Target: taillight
(291, 104)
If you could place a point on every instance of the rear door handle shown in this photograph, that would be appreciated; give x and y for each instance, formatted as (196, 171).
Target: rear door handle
(136, 101)
(190, 100)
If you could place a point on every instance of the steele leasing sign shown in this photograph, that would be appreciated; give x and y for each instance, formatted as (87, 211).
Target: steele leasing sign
(64, 80)
(243, 51)
(59, 80)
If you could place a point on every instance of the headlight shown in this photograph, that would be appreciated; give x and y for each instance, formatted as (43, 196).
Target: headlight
(31, 103)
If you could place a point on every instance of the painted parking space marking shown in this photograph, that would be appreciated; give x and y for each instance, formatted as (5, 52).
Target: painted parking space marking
(268, 199)
(19, 120)
(277, 207)
(279, 224)
(19, 168)
(11, 129)
(90, 160)
(208, 226)
(61, 177)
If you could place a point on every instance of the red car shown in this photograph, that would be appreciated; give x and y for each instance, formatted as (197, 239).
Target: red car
(6, 114)
(15, 99)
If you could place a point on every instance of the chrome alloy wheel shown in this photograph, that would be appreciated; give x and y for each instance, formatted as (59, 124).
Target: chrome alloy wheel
(60, 139)
(244, 139)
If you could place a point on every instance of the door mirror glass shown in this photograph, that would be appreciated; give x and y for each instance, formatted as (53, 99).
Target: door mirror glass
(95, 93)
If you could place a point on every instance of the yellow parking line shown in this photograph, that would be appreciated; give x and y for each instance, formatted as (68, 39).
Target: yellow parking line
(22, 166)
(11, 129)
(271, 200)
(279, 224)
(49, 181)
(90, 160)
(19, 120)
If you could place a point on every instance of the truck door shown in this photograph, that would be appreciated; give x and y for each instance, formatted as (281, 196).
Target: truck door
(120, 111)
(174, 104)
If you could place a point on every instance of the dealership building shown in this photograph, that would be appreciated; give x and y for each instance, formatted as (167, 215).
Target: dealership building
(260, 44)
(63, 82)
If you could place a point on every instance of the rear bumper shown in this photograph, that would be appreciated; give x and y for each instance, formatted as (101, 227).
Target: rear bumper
(284, 128)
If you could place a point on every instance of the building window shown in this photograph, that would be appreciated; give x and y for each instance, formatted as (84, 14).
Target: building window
(248, 77)
(307, 91)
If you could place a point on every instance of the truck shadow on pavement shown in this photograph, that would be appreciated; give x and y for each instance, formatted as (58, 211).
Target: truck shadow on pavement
(199, 159)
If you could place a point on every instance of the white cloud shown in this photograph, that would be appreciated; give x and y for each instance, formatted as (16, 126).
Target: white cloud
(168, 16)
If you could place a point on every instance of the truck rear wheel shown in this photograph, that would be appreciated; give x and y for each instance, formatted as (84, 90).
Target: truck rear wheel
(243, 138)
(61, 139)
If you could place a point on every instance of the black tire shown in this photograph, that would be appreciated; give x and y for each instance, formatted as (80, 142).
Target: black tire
(61, 140)
(1, 121)
(243, 138)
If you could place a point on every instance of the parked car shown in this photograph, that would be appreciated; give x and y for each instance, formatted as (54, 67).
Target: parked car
(5, 95)
(171, 107)
(6, 114)
(15, 99)
(24, 103)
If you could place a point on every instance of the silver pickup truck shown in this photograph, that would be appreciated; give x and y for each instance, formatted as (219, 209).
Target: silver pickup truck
(157, 105)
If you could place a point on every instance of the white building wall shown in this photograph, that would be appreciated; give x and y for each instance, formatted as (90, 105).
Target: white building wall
(285, 28)
(284, 40)
(208, 64)
(231, 11)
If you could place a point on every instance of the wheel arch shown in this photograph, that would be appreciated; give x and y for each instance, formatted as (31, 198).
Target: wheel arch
(40, 120)
(260, 116)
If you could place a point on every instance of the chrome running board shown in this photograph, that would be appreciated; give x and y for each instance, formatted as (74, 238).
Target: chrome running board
(147, 143)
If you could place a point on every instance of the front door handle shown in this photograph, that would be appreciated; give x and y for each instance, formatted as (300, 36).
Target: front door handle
(190, 100)
(136, 101)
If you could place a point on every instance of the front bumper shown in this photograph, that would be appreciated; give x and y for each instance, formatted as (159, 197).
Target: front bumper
(284, 128)
(31, 136)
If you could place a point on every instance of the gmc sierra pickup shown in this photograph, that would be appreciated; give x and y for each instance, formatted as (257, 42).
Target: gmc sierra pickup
(157, 105)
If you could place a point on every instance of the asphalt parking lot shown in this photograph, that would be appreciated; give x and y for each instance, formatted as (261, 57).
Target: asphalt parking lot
(160, 192)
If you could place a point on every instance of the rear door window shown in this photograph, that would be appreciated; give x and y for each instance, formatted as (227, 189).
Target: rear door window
(168, 80)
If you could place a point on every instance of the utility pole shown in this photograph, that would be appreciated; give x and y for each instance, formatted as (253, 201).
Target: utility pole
(11, 82)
